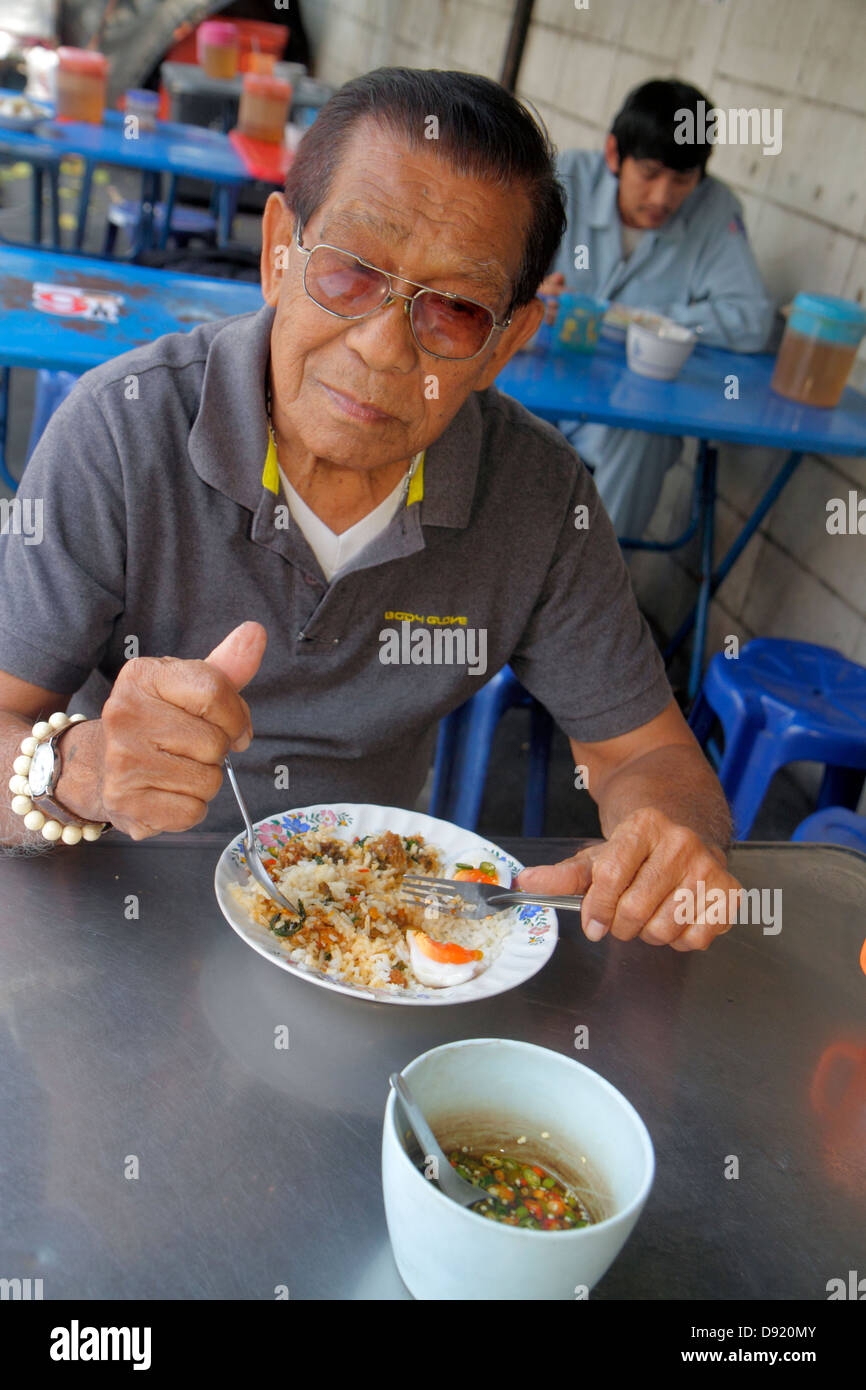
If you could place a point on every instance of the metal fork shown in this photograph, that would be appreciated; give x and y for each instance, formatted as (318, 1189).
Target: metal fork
(251, 847)
(441, 892)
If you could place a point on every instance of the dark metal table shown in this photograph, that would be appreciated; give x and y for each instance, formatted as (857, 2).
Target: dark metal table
(147, 1046)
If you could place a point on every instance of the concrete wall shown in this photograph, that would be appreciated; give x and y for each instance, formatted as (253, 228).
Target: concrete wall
(805, 209)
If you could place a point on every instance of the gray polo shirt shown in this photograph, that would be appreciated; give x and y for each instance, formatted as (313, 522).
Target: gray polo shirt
(158, 525)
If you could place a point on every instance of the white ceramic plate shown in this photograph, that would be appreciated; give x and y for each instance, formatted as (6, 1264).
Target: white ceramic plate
(529, 945)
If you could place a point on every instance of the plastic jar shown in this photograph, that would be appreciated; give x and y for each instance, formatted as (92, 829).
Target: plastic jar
(256, 61)
(218, 47)
(820, 342)
(80, 79)
(144, 105)
(264, 107)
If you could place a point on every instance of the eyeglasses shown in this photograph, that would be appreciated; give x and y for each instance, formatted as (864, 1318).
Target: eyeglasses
(445, 325)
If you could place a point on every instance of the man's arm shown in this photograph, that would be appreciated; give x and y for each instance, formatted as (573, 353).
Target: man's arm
(730, 303)
(659, 765)
(667, 828)
(154, 758)
(21, 705)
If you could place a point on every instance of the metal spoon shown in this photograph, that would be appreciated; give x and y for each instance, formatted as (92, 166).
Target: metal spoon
(451, 1183)
(251, 846)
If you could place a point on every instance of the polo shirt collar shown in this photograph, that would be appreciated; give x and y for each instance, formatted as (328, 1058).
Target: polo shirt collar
(604, 211)
(228, 442)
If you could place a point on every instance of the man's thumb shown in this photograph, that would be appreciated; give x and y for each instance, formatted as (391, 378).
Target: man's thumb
(570, 876)
(240, 654)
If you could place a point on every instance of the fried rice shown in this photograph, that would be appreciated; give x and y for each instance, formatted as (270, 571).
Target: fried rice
(351, 922)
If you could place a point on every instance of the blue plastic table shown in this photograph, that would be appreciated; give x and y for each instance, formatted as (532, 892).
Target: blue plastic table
(602, 388)
(152, 302)
(177, 150)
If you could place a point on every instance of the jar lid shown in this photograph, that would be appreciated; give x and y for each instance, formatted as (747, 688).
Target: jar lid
(262, 84)
(141, 96)
(830, 306)
(82, 60)
(217, 31)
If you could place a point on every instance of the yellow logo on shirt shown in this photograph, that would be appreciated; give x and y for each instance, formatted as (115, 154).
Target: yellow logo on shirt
(432, 621)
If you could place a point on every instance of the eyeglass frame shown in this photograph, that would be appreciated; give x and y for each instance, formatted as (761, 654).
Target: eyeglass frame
(409, 299)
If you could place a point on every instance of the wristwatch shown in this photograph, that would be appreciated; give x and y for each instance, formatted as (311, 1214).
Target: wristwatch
(45, 768)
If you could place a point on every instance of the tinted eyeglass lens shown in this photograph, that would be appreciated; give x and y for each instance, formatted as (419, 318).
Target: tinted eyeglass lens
(340, 283)
(450, 327)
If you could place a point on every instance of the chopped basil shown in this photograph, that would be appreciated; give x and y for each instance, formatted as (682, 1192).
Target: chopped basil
(287, 928)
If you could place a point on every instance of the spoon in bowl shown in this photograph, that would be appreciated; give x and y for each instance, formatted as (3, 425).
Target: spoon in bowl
(451, 1183)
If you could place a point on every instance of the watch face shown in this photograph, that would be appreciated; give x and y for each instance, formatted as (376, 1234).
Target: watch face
(41, 768)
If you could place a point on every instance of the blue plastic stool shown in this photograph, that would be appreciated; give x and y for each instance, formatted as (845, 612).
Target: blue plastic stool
(51, 389)
(463, 753)
(185, 224)
(834, 826)
(782, 702)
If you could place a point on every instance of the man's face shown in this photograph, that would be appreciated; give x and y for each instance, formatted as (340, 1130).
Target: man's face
(406, 213)
(649, 192)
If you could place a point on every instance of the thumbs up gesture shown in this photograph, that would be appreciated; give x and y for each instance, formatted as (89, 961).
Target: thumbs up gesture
(154, 759)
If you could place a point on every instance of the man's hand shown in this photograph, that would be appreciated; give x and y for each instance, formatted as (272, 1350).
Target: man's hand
(159, 745)
(643, 882)
(551, 287)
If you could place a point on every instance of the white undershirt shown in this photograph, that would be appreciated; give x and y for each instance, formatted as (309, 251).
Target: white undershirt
(333, 552)
(631, 239)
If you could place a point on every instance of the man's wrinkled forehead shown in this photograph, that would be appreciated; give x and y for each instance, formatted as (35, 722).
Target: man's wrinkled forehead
(340, 223)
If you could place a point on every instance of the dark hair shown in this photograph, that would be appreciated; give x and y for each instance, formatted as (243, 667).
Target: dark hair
(484, 134)
(645, 124)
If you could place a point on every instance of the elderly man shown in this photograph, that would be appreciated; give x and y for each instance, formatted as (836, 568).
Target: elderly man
(339, 469)
(647, 226)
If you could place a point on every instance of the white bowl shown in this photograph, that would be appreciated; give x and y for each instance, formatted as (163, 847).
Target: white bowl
(497, 1087)
(658, 349)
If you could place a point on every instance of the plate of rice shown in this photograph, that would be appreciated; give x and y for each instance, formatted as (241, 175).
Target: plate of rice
(341, 867)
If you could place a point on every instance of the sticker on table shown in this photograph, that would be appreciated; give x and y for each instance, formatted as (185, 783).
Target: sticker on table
(71, 301)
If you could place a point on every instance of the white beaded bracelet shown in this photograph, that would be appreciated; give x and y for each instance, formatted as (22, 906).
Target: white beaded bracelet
(19, 785)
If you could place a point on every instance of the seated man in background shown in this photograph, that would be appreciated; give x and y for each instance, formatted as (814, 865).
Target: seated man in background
(648, 227)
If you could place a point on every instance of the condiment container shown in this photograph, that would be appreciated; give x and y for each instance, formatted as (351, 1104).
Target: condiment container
(573, 1120)
(264, 107)
(578, 321)
(218, 47)
(256, 61)
(818, 349)
(144, 105)
(80, 82)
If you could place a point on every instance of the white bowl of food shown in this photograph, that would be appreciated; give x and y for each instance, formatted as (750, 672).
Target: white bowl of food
(658, 348)
(538, 1114)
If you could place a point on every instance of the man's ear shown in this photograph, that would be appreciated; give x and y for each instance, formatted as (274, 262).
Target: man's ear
(277, 234)
(524, 323)
(611, 154)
